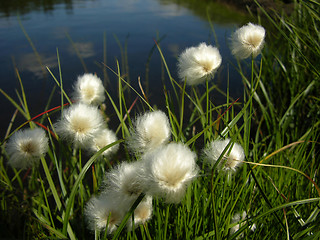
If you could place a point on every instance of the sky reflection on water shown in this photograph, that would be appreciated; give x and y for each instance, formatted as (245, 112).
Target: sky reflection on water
(135, 22)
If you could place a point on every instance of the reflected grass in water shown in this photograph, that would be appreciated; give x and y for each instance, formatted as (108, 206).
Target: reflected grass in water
(219, 13)
(9, 8)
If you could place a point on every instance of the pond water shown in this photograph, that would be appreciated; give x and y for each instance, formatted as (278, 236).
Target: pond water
(88, 33)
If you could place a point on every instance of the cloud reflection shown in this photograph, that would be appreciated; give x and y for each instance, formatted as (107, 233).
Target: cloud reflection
(170, 10)
(29, 62)
(85, 49)
(166, 9)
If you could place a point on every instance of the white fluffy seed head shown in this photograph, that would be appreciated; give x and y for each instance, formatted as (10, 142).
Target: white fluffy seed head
(79, 124)
(196, 64)
(102, 139)
(150, 130)
(248, 40)
(25, 147)
(125, 182)
(169, 169)
(233, 157)
(142, 213)
(89, 89)
(101, 210)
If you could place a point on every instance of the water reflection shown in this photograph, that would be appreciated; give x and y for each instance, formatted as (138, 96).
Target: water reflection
(218, 12)
(12, 7)
(28, 62)
(84, 49)
(49, 26)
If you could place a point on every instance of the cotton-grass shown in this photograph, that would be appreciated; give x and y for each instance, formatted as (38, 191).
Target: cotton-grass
(121, 188)
(142, 213)
(103, 212)
(79, 124)
(89, 89)
(150, 130)
(169, 169)
(248, 41)
(232, 157)
(125, 182)
(198, 64)
(26, 147)
(102, 139)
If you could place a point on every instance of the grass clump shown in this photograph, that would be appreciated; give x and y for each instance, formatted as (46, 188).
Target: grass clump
(247, 168)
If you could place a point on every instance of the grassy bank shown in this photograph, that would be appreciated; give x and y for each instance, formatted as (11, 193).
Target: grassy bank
(274, 194)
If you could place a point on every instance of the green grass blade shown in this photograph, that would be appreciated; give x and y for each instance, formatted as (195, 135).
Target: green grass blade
(78, 181)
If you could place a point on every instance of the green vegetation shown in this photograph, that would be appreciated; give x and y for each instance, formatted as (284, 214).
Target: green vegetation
(276, 121)
(219, 12)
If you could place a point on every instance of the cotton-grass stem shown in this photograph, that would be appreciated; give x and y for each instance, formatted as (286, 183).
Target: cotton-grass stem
(141, 97)
(180, 134)
(208, 127)
(57, 82)
(120, 98)
(215, 220)
(168, 72)
(133, 227)
(207, 102)
(81, 175)
(127, 216)
(81, 190)
(106, 230)
(97, 235)
(51, 183)
(46, 201)
(145, 227)
(23, 101)
(9, 127)
(58, 165)
(248, 123)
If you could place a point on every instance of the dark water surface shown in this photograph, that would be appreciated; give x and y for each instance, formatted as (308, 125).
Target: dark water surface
(78, 30)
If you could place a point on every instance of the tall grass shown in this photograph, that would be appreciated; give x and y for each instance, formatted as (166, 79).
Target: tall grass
(277, 122)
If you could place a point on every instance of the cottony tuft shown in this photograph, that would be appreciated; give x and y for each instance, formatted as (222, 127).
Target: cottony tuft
(248, 41)
(89, 89)
(150, 130)
(102, 139)
(196, 64)
(101, 210)
(232, 158)
(25, 147)
(80, 123)
(169, 170)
